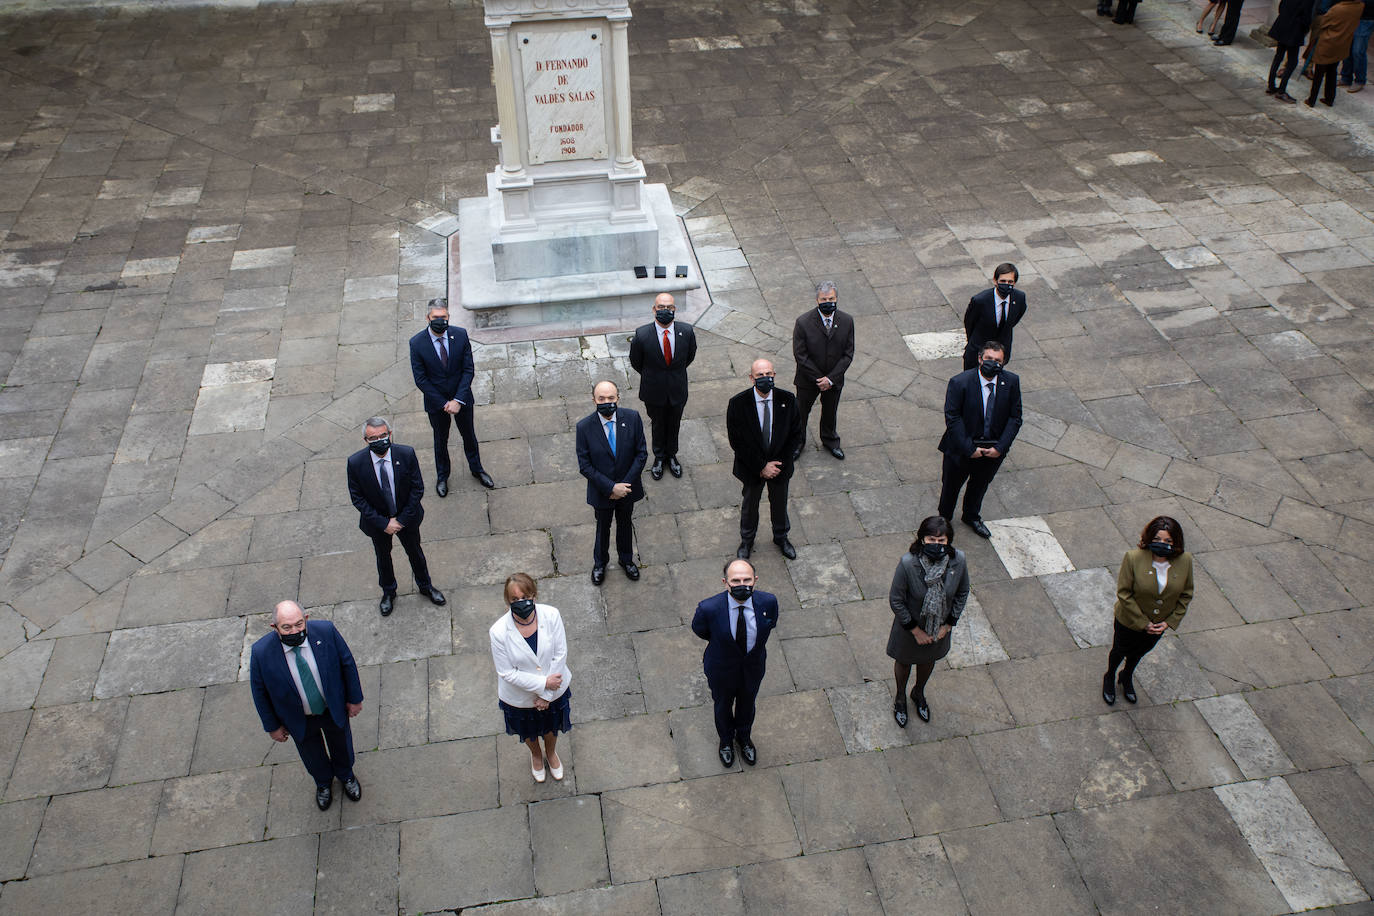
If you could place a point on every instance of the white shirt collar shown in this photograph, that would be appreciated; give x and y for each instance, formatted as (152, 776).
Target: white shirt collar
(605, 420)
(385, 456)
(760, 398)
(659, 329)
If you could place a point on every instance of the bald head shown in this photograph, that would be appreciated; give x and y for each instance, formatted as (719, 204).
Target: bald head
(761, 367)
(288, 614)
(605, 392)
(739, 572)
(663, 299)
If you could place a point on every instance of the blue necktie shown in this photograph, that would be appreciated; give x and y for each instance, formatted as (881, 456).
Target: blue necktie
(610, 435)
(385, 479)
(312, 690)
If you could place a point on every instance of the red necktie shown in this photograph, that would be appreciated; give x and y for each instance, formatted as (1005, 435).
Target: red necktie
(667, 349)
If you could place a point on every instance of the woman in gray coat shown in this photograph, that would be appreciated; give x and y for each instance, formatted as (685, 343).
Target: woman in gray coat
(929, 591)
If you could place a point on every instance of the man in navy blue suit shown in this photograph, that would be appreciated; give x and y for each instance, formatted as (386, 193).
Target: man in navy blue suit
(305, 686)
(735, 625)
(611, 452)
(982, 417)
(441, 363)
(385, 485)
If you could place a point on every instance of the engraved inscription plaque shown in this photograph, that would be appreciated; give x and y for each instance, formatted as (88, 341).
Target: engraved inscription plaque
(565, 103)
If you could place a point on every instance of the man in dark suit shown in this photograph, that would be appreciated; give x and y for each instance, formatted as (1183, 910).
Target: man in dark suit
(993, 313)
(385, 485)
(982, 417)
(735, 625)
(765, 431)
(305, 685)
(441, 363)
(611, 453)
(660, 352)
(823, 345)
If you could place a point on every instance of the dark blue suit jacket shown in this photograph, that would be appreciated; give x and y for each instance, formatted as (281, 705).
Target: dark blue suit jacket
(367, 496)
(439, 385)
(274, 692)
(725, 665)
(964, 413)
(604, 470)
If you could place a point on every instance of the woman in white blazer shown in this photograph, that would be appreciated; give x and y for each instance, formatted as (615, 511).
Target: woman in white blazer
(530, 652)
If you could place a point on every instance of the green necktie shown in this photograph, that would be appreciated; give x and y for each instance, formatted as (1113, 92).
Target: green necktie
(312, 690)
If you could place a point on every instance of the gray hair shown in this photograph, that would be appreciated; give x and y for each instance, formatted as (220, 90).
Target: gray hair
(377, 423)
(825, 286)
(440, 303)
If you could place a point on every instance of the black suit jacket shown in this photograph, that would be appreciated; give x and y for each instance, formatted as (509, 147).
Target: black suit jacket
(964, 412)
(367, 496)
(819, 354)
(604, 470)
(742, 427)
(980, 321)
(660, 384)
(725, 666)
(437, 384)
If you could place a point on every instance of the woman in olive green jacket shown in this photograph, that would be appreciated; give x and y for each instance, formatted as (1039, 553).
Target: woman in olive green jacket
(1153, 590)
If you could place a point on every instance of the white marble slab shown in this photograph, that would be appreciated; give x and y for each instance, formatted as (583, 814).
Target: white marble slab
(378, 101)
(1027, 547)
(244, 370)
(1300, 860)
(565, 99)
(1084, 598)
(150, 267)
(255, 258)
(1244, 736)
(1184, 258)
(202, 234)
(936, 344)
(230, 408)
(973, 641)
(1135, 157)
(176, 197)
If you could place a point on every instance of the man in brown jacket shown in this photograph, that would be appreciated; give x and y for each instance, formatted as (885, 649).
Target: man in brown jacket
(1335, 33)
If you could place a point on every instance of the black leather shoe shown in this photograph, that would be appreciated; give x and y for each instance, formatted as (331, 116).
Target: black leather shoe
(631, 571)
(598, 575)
(1127, 688)
(745, 548)
(1108, 690)
(352, 789)
(899, 713)
(388, 603)
(796, 456)
(787, 549)
(433, 594)
(674, 467)
(485, 479)
(748, 752)
(324, 797)
(727, 755)
(978, 527)
(922, 709)
(837, 452)
(656, 469)
(441, 487)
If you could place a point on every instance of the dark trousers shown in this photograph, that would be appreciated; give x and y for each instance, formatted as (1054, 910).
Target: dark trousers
(978, 472)
(439, 422)
(777, 508)
(664, 423)
(1231, 22)
(733, 700)
(1128, 646)
(1323, 73)
(386, 573)
(1104, 8)
(326, 750)
(624, 533)
(1125, 12)
(830, 409)
(1287, 55)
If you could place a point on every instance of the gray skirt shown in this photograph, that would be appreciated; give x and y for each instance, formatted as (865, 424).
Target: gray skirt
(903, 648)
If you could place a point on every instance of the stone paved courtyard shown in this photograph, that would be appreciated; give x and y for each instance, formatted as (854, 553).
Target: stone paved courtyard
(218, 229)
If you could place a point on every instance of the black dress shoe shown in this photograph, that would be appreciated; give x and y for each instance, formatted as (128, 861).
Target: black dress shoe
(631, 571)
(922, 709)
(441, 487)
(674, 467)
(1108, 690)
(485, 479)
(433, 594)
(727, 755)
(598, 575)
(324, 797)
(352, 789)
(796, 456)
(748, 752)
(978, 527)
(787, 549)
(656, 469)
(387, 604)
(899, 712)
(1127, 688)
(745, 548)
(837, 452)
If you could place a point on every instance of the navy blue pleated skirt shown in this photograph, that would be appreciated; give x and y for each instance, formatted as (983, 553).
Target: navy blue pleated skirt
(527, 723)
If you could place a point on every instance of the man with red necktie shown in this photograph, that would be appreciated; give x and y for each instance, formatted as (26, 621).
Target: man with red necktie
(660, 352)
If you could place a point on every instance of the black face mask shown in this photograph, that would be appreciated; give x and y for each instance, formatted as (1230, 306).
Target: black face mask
(1004, 289)
(1161, 549)
(741, 592)
(379, 446)
(523, 609)
(827, 308)
(438, 325)
(764, 384)
(934, 551)
(607, 409)
(664, 316)
(292, 639)
(989, 368)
